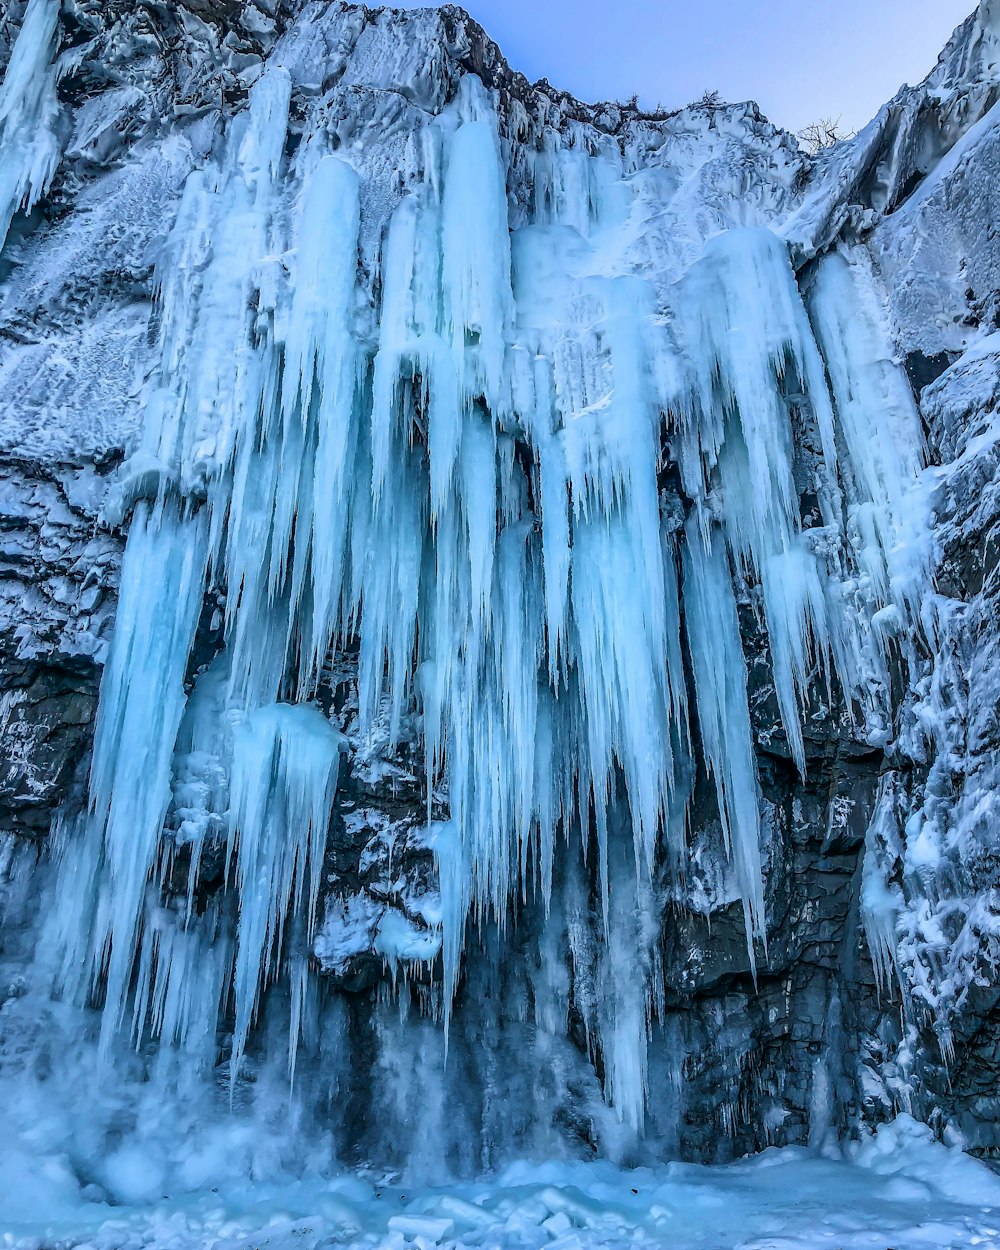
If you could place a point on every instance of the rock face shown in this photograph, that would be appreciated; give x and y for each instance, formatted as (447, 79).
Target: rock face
(681, 1028)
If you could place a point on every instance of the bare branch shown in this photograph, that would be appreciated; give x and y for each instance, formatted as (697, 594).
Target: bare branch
(823, 134)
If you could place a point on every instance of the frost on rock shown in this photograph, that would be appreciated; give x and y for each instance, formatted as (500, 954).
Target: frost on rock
(528, 527)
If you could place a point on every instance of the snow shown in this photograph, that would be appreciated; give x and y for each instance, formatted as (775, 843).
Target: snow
(897, 1188)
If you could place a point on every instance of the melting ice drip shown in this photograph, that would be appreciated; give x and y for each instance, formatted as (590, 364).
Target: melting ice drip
(481, 500)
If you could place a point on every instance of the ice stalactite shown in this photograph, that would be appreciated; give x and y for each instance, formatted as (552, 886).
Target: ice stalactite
(475, 249)
(286, 762)
(753, 353)
(202, 766)
(440, 384)
(627, 1004)
(207, 346)
(142, 703)
(217, 293)
(29, 109)
(570, 188)
(881, 902)
(586, 379)
(876, 415)
(320, 350)
(453, 878)
(720, 681)
(182, 982)
(295, 461)
(887, 509)
(888, 610)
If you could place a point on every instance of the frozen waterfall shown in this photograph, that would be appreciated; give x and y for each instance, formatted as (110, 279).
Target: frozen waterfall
(536, 489)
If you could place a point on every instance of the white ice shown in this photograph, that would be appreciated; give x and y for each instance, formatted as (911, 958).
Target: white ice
(897, 1188)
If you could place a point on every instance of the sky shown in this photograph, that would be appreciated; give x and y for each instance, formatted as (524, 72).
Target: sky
(801, 60)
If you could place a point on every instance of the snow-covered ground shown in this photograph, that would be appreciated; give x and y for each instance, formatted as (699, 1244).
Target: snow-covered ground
(898, 1190)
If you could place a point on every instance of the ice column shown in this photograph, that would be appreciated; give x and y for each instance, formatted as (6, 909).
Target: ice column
(887, 523)
(141, 704)
(720, 679)
(321, 379)
(752, 353)
(286, 762)
(29, 107)
(211, 369)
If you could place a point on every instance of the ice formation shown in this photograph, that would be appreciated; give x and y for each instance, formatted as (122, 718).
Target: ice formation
(540, 642)
(503, 426)
(28, 112)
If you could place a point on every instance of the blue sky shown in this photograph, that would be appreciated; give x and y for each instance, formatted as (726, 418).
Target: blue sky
(799, 59)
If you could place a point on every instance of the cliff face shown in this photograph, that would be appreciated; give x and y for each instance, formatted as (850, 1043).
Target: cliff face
(559, 609)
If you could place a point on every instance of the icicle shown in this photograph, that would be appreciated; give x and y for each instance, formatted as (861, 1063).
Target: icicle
(391, 582)
(490, 703)
(476, 250)
(795, 610)
(182, 977)
(471, 483)
(753, 356)
(321, 367)
(29, 109)
(878, 421)
(411, 367)
(749, 340)
(571, 188)
(881, 903)
(626, 1000)
(610, 583)
(216, 284)
(286, 762)
(627, 690)
(720, 679)
(556, 549)
(201, 767)
(453, 875)
(142, 702)
(409, 348)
